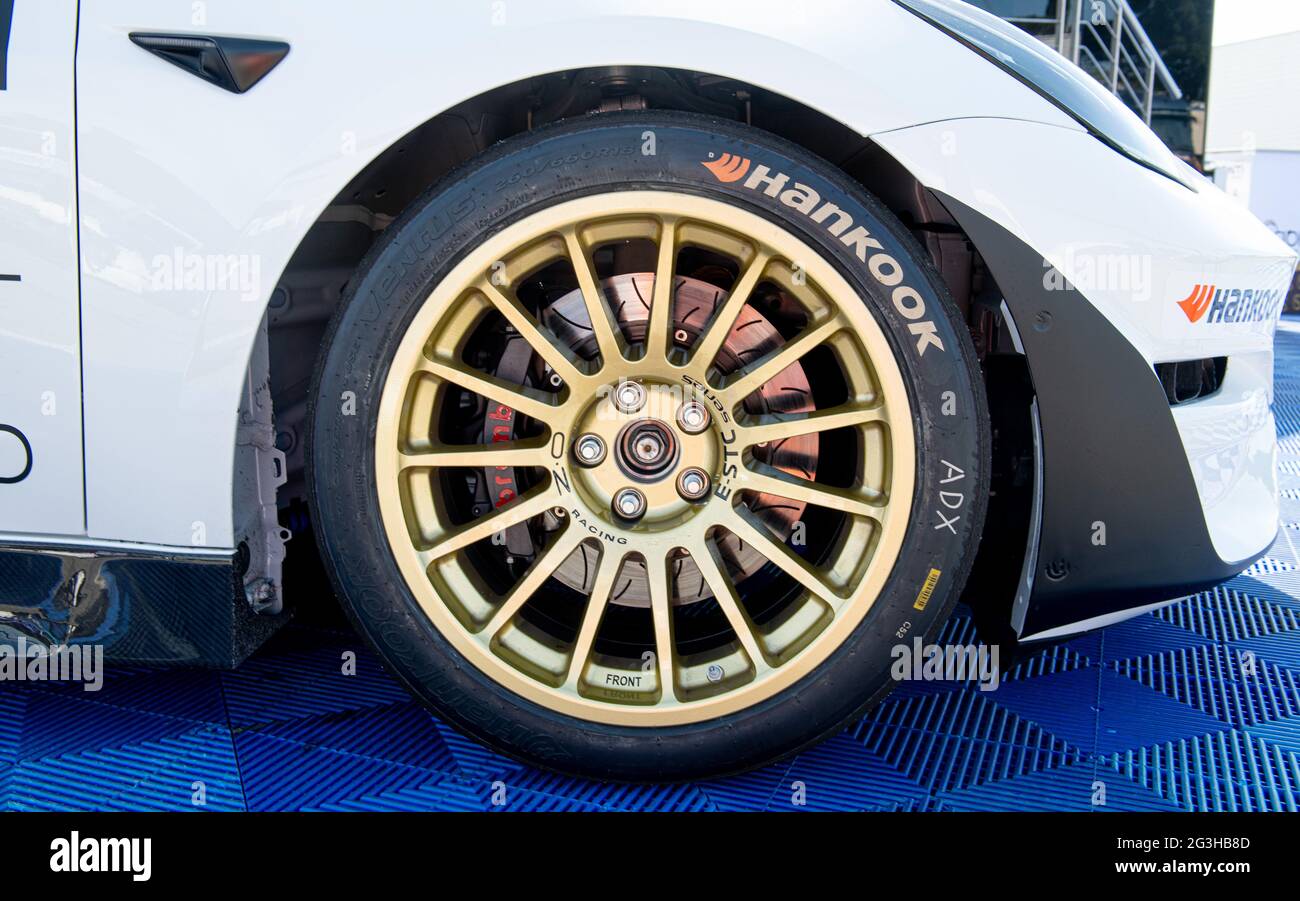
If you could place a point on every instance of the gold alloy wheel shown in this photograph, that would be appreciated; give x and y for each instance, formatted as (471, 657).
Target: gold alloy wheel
(832, 578)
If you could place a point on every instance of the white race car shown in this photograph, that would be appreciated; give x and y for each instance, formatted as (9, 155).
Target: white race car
(647, 372)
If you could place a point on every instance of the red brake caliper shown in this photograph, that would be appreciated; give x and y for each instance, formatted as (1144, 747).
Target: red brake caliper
(499, 425)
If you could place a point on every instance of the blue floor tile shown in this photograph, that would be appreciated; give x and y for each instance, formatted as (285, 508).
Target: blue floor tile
(1193, 707)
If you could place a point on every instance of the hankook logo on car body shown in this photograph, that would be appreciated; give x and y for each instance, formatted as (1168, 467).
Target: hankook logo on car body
(801, 198)
(1231, 305)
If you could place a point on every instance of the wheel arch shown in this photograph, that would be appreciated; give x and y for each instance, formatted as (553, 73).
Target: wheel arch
(334, 245)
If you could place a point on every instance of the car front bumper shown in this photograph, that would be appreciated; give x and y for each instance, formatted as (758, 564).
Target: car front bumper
(1141, 501)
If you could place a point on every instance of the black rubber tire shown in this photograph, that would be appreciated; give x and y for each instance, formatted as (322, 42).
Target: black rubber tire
(608, 153)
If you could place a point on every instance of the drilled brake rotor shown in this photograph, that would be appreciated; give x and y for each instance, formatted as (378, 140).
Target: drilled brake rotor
(752, 337)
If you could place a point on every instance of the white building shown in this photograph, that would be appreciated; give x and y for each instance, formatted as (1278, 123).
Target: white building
(1253, 139)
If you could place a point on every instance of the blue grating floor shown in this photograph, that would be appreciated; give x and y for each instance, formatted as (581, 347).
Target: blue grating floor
(1157, 712)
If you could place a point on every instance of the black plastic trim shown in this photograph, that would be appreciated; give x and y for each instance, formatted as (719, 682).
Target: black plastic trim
(1111, 453)
(233, 64)
(1186, 381)
(142, 607)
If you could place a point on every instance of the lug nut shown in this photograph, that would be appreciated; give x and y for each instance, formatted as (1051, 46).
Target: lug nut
(589, 449)
(629, 503)
(693, 484)
(629, 397)
(693, 417)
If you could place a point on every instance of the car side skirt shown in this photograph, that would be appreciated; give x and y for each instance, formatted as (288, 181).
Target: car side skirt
(142, 606)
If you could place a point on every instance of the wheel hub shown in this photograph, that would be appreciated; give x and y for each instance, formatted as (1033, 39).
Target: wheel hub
(647, 449)
(751, 337)
(647, 452)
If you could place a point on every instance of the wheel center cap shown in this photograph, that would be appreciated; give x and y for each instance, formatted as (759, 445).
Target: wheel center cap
(646, 449)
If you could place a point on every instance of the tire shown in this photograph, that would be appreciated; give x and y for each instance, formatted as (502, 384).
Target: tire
(905, 301)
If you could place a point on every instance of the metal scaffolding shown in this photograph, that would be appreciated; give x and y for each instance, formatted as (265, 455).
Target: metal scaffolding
(1105, 39)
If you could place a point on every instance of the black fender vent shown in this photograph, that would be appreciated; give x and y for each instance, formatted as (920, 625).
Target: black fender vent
(1189, 380)
(235, 64)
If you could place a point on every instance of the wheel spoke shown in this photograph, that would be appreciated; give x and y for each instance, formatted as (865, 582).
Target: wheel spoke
(657, 340)
(747, 528)
(770, 480)
(774, 428)
(503, 453)
(523, 400)
(527, 327)
(724, 592)
(609, 337)
(601, 590)
(656, 569)
(537, 501)
(542, 568)
(708, 345)
(776, 362)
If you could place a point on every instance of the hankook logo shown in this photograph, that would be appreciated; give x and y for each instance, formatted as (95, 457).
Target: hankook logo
(1231, 305)
(801, 198)
(728, 168)
(1198, 302)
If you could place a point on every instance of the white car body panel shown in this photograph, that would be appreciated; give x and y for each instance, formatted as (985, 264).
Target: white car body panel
(40, 358)
(1173, 239)
(173, 167)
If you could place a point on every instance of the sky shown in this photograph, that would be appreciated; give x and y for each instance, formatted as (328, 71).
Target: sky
(1244, 20)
